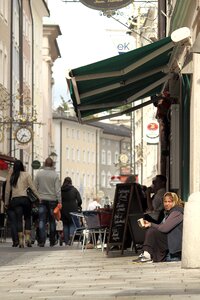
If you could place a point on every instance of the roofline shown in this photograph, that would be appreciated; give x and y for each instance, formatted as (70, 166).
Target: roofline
(97, 124)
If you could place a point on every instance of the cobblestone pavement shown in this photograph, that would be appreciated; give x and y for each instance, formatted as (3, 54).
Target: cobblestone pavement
(68, 273)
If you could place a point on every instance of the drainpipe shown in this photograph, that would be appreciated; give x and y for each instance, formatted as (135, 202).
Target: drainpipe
(162, 19)
(31, 12)
(142, 144)
(21, 64)
(11, 77)
(133, 141)
(61, 151)
(97, 162)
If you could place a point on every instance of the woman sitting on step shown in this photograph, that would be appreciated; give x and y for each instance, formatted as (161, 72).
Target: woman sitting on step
(163, 242)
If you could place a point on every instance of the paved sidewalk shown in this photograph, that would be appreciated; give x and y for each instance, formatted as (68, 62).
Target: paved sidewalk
(68, 273)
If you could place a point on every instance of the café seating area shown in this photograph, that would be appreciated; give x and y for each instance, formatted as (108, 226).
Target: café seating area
(92, 226)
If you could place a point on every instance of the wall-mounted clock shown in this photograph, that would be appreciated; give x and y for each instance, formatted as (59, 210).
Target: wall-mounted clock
(123, 158)
(23, 135)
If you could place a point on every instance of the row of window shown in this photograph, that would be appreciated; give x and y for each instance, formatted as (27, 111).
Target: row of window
(82, 180)
(88, 156)
(3, 65)
(88, 180)
(26, 71)
(75, 155)
(27, 27)
(4, 10)
(76, 134)
(16, 28)
(105, 179)
(106, 157)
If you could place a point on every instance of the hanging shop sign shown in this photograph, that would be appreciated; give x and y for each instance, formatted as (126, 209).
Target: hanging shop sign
(105, 4)
(36, 164)
(152, 133)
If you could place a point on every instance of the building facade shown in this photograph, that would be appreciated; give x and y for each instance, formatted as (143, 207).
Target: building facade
(77, 149)
(28, 50)
(89, 154)
(183, 160)
(5, 37)
(114, 142)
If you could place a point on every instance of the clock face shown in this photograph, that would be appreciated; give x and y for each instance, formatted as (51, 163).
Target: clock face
(123, 158)
(23, 135)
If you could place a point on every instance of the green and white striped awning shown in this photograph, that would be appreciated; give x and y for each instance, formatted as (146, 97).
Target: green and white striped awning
(122, 79)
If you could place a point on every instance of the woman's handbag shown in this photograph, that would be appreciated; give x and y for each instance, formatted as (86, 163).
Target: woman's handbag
(59, 225)
(56, 212)
(31, 195)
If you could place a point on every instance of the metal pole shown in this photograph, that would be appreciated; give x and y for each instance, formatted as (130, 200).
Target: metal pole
(133, 141)
(142, 144)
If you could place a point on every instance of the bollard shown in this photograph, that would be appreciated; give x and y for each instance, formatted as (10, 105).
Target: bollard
(191, 233)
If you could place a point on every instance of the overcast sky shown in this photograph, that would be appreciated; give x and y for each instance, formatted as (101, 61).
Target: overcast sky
(85, 39)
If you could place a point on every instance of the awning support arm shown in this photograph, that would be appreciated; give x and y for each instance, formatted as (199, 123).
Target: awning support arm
(134, 108)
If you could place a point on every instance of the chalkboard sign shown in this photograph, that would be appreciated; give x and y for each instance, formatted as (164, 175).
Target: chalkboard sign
(127, 209)
(123, 195)
(136, 211)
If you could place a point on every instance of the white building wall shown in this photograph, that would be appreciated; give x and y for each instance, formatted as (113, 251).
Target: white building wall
(5, 6)
(194, 128)
(40, 84)
(77, 148)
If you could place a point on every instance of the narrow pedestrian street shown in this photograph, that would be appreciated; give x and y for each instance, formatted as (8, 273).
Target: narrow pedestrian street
(69, 273)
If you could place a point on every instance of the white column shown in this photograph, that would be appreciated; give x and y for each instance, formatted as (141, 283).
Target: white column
(191, 233)
(194, 127)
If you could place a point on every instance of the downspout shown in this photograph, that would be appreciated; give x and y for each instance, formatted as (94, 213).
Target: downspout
(31, 12)
(21, 64)
(61, 151)
(11, 77)
(142, 143)
(97, 161)
(162, 19)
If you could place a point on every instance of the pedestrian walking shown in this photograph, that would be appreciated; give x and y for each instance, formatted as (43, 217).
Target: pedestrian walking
(48, 186)
(11, 218)
(71, 202)
(17, 200)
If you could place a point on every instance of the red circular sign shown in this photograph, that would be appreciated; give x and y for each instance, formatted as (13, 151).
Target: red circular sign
(152, 126)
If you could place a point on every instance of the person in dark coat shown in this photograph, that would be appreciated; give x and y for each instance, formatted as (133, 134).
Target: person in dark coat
(163, 242)
(71, 202)
(12, 219)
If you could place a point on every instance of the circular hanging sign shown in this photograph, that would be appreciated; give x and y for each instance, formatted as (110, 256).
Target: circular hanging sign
(36, 164)
(152, 130)
(106, 4)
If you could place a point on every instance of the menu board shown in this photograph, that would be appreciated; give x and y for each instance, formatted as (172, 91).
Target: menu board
(123, 195)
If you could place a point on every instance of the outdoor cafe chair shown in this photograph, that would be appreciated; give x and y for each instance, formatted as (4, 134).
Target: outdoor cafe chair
(79, 229)
(93, 225)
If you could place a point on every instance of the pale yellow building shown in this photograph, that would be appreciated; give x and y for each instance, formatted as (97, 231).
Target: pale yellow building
(77, 148)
